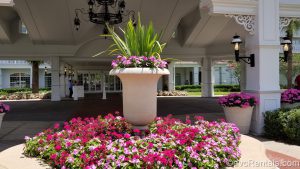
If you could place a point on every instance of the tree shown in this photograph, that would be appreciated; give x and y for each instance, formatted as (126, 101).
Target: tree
(35, 75)
(235, 68)
(293, 27)
(284, 68)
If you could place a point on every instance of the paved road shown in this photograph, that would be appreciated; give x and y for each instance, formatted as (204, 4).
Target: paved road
(93, 106)
(31, 117)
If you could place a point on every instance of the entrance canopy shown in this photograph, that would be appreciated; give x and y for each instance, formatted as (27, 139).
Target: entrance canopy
(195, 30)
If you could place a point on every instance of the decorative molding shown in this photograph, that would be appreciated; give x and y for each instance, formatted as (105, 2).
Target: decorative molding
(248, 21)
(285, 21)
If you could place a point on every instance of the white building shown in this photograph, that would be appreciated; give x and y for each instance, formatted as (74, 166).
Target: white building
(18, 74)
(203, 32)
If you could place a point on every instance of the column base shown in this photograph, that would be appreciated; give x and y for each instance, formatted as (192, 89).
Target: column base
(268, 101)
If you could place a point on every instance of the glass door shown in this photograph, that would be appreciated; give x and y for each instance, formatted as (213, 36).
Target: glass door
(95, 82)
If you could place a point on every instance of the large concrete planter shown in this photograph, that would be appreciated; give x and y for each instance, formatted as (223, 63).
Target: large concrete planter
(290, 106)
(239, 116)
(1, 118)
(139, 87)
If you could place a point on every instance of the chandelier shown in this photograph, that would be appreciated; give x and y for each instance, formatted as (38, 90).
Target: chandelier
(104, 12)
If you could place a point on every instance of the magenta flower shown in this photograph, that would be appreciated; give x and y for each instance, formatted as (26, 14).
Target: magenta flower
(290, 96)
(110, 142)
(138, 61)
(243, 100)
(4, 108)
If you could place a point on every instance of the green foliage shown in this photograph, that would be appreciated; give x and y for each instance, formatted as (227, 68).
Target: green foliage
(18, 90)
(141, 40)
(291, 125)
(218, 88)
(296, 66)
(283, 124)
(235, 67)
(293, 27)
(35, 61)
(273, 126)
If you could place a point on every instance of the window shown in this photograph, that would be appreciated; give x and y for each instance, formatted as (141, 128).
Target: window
(20, 80)
(48, 80)
(23, 29)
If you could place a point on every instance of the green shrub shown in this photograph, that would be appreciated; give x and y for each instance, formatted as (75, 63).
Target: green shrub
(273, 126)
(18, 90)
(291, 125)
(3, 93)
(218, 88)
(193, 90)
(185, 87)
(283, 124)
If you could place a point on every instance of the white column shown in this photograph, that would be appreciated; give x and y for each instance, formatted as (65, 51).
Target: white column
(263, 79)
(1, 79)
(207, 84)
(196, 75)
(171, 84)
(31, 75)
(55, 89)
(103, 84)
(62, 81)
(243, 76)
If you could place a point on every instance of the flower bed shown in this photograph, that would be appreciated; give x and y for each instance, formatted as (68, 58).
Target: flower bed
(26, 95)
(172, 93)
(110, 143)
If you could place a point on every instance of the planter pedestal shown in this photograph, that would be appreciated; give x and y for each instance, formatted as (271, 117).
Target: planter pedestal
(239, 116)
(139, 87)
(1, 118)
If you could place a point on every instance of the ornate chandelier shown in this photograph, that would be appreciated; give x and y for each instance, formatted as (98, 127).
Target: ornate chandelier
(105, 12)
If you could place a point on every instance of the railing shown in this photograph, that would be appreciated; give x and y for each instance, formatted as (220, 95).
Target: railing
(13, 62)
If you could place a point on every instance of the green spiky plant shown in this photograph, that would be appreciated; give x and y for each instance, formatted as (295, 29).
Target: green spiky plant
(139, 40)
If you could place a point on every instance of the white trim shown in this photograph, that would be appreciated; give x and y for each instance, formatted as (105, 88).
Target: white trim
(7, 3)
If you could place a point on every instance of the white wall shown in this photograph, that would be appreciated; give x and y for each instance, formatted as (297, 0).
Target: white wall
(6, 75)
(226, 74)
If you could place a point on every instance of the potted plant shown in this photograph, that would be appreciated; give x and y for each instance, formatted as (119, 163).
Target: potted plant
(290, 98)
(139, 66)
(4, 108)
(238, 108)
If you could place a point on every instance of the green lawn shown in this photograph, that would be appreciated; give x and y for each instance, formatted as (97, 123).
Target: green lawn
(199, 93)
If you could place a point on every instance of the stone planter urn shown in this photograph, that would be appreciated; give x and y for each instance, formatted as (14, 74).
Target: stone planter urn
(290, 106)
(239, 116)
(1, 118)
(139, 87)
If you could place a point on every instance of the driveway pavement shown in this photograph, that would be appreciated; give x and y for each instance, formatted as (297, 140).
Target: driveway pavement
(27, 118)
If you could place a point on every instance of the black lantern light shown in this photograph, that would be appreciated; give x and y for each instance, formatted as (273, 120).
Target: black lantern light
(65, 71)
(46, 70)
(104, 12)
(286, 42)
(236, 41)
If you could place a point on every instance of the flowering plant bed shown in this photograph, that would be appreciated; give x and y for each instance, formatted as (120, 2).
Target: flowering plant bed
(242, 100)
(26, 95)
(172, 93)
(110, 142)
(290, 96)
